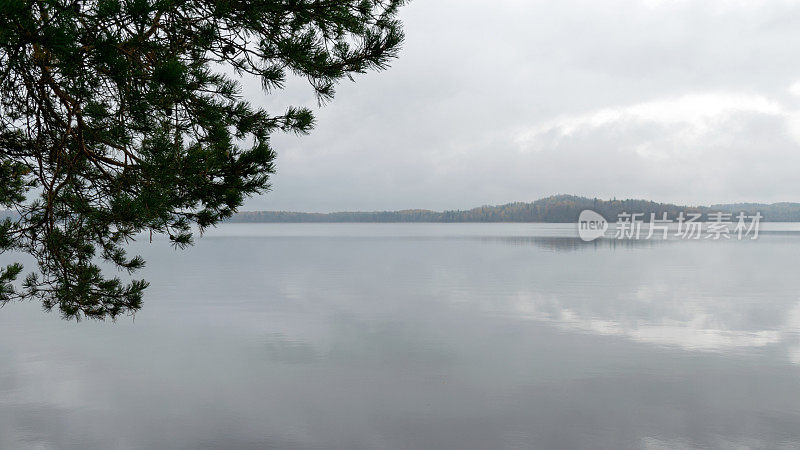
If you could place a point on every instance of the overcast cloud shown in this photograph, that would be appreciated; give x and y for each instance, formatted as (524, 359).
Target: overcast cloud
(496, 101)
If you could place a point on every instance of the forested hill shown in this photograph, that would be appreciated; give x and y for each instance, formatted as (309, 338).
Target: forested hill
(555, 209)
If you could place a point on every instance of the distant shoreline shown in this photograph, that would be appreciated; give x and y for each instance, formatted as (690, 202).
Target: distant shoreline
(554, 209)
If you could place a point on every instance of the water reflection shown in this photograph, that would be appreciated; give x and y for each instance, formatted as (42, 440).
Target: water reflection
(714, 296)
(422, 337)
(568, 243)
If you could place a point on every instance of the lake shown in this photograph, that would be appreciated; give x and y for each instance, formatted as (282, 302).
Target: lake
(400, 336)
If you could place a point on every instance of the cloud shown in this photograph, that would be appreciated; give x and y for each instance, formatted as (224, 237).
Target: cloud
(672, 100)
(732, 145)
(699, 112)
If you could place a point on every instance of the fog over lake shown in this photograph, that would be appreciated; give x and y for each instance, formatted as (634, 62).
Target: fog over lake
(365, 336)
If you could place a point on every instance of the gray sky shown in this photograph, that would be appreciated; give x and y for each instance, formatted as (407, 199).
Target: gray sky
(498, 101)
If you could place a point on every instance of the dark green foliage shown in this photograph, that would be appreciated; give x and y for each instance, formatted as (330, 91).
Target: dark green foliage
(117, 117)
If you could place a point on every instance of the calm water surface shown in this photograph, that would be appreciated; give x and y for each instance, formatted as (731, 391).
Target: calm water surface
(370, 336)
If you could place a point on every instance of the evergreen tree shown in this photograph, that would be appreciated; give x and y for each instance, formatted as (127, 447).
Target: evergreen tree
(119, 117)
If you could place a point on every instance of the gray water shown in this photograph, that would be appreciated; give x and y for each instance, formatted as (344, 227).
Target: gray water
(369, 336)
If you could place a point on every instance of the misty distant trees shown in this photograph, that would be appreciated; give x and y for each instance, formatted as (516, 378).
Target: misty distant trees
(555, 209)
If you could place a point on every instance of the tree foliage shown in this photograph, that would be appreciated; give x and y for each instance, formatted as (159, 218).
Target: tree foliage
(119, 117)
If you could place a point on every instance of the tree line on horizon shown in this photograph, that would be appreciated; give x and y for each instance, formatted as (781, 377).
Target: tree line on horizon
(554, 209)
